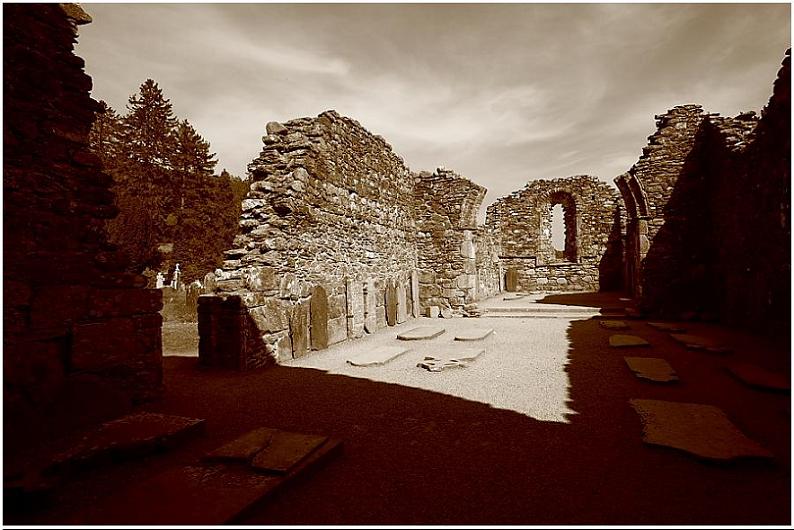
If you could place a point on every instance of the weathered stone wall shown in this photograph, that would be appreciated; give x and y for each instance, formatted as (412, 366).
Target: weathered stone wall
(709, 214)
(455, 257)
(331, 207)
(591, 259)
(72, 316)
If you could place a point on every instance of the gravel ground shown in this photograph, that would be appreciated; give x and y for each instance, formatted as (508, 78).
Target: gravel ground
(522, 369)
(414, 455)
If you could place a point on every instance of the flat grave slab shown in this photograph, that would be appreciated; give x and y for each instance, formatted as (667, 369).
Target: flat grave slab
(652, 369)
(626, 341)
(474, 334)
(125, 437)
(444, 360)
(670, 327)
(201, 494)
(758, 377)
(377, 356)
(421, 333)
(514, 296)
(613, 324)
(285, 450)
(702, 430)
(244, 448)
(697, 342)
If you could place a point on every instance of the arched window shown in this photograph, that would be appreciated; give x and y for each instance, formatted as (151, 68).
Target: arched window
(562, 238)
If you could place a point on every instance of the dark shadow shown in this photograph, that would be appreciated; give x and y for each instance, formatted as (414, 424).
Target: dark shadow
(601, 299)
(418, 457)
(610, 267)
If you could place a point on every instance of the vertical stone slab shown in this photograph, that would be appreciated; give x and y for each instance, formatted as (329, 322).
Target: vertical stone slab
(355, 309)
(370, 307)
(511, 280)
(415, 293)
(391, 303)
(402, 303)
(319, 318)
(299, 329)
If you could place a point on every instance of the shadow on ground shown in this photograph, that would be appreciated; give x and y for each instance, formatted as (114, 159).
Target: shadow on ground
(418, 457)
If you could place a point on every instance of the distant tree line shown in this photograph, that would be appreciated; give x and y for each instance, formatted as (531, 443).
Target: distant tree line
(172, 207)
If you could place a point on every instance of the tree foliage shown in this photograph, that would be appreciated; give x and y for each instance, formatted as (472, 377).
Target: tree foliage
(172, 207)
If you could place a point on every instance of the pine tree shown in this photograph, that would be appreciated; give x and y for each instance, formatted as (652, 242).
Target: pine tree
(104, 137)
(191, 159)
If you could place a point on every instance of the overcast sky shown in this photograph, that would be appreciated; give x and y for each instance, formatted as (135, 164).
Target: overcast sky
(502, 94)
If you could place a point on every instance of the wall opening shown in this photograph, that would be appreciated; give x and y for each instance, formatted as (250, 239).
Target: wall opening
(563, 227)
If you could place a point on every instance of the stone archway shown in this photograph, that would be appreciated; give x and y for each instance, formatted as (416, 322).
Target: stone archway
(570, 251)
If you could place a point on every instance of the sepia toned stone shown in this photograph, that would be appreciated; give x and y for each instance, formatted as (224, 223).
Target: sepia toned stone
(702, 430)
(421, 333)
(391, 304)
(613, 324)
(458, 359)
(243, 448)
(285, 451)
(402, 304)
(473, 334)
(667, 326)
(319, 318)
(652, 369)
(377, 356)
(758, 377)
(299, 329)
(626, 341)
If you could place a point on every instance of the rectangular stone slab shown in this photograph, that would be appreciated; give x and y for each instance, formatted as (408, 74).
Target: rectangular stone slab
(696, 342)
(758, 377)
(613, 324)
(702, 430)
(474, 334)
(421, 333)
(626, 341)
(202, 494)
(652, 369)
(667, 326)
(243, 448)
(378, 356)
(128, 436)
(285, 450)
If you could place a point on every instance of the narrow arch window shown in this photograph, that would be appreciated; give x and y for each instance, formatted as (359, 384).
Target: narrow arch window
(563, 227)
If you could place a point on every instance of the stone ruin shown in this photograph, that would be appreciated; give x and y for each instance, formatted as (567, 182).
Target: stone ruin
(709, 215)
(339, 238)
(592, 258)
(75, 321)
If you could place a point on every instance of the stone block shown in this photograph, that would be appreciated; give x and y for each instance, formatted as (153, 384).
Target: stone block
(402, 303)
(433, 311)
(415, 293)
(319, 318)
(391, 303)
(378, 356)
(652, 369)
(626, 341)
(299, 329)
(337, 330)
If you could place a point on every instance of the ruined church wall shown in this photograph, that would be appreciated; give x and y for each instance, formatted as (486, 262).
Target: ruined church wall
(455, 257)
(331, 206)
(523, 221)
(709, 214)
(75, 321)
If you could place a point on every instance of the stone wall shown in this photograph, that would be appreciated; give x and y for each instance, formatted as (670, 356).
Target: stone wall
(591, 259)
(455, 257)
(74, 319)
(709, 214)
(327, 244)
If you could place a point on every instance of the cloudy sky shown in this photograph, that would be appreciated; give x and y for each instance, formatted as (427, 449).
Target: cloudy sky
(502, 94)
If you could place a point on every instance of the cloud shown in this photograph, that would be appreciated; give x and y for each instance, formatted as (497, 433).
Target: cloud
(500, 93)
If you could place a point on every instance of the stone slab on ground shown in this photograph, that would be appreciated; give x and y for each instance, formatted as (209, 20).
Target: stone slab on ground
(244, 448)
(517, 296)
(129, 436)
(626, 341)
(697, 342)
(758, 377)
(702, 430)
(285, 450)
(421, 333)
(377, 356)
(473, 335)
(201, 494)
(613, 324)
(670, 327)
(651, 368)
(443, 361)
